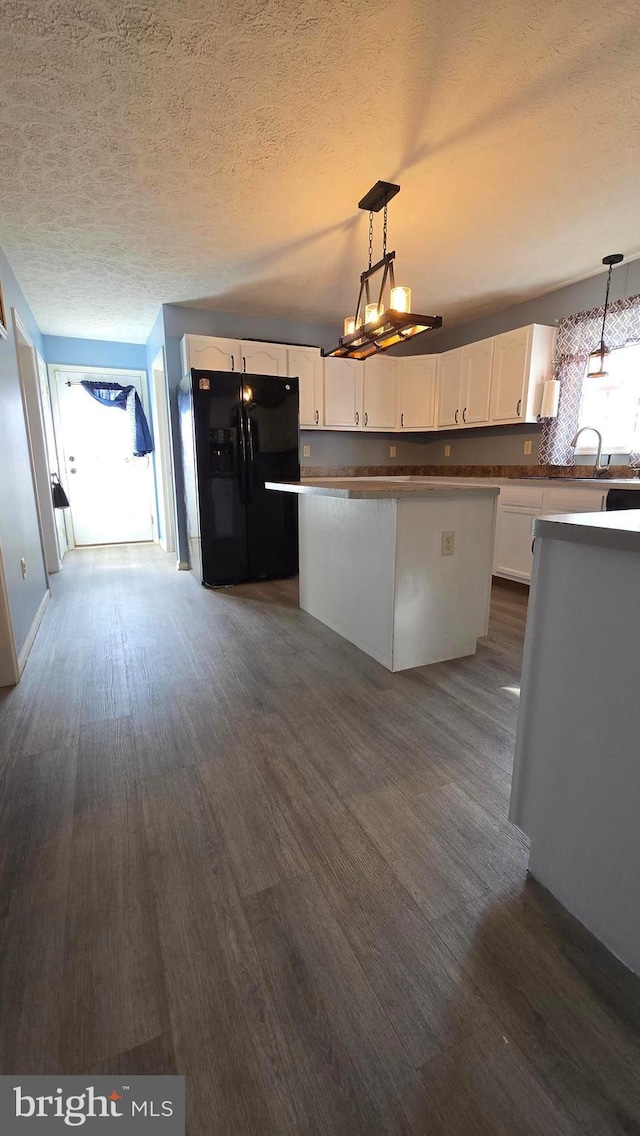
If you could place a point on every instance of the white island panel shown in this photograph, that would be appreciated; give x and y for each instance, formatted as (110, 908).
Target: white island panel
(372, 568)
(347, 567)
(576, 783)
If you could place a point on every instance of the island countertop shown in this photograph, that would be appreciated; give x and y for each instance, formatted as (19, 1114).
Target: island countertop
(379, 488)
(619, 530)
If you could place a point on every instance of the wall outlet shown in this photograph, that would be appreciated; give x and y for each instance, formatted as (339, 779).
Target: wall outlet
(23, 567)
(447, 451)
(306, 451)
(447, 542)
(392, 451)
(527, 446)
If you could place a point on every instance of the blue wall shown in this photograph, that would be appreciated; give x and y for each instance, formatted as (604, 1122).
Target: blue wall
(19, 529)
(94, 353)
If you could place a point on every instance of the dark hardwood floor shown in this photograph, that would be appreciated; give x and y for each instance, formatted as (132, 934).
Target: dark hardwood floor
(236, 848)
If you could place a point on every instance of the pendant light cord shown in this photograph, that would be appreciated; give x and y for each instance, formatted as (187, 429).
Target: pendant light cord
(606, 304)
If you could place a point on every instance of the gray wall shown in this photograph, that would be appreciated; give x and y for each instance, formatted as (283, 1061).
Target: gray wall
(19, 530)
(546, 309)
(470, 447)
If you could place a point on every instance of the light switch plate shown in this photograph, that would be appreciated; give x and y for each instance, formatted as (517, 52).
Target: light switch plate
(306, 451)
(447, 451)
(392, 451)
(527, 446)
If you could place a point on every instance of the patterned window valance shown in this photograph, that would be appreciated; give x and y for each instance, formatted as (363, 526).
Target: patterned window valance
(578, 335)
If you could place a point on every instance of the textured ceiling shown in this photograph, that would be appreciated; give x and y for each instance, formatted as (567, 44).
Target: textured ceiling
(214, 153)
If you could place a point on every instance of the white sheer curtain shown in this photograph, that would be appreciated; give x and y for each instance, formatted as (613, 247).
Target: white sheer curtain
(578, 335)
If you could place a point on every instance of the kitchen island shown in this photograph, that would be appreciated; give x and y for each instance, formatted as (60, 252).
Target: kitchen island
(576, 781)
(402, 569)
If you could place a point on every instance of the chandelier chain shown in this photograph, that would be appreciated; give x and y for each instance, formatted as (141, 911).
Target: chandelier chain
(370, 237)
(384, 233)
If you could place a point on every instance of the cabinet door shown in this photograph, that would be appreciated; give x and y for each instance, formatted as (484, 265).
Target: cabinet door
(418, 379)
(263, 358)
(511, 354)
(305, 364)
(513, 554)
(209, 353)
(343, 393)
(449, 386)
(477, 361)
(380, 393)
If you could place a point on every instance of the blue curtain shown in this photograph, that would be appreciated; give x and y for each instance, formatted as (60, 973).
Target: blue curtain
(113, 394)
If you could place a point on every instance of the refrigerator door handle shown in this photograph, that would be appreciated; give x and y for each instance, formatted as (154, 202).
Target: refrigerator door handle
(242, 475)
(251, 469)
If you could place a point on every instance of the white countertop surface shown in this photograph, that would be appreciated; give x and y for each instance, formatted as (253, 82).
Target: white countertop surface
(374, 488)
(605, 530)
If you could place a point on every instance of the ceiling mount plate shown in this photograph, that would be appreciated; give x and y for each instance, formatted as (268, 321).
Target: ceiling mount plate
(612, 258)
(378, 196)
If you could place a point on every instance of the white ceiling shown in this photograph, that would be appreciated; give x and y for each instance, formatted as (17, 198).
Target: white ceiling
(184, 150)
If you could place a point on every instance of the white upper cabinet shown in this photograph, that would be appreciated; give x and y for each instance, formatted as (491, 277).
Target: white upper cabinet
(522, 361)
(477, 359)
(263, 358)
(450, 388)
(305, 364)
(209, 353)
(418, 376)
(380, 393)
(342, 393)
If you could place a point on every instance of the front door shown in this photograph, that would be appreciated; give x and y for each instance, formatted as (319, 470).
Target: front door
(109, 490)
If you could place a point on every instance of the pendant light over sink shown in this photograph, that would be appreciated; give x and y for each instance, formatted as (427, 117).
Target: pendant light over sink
(383, 320)
(596, 368)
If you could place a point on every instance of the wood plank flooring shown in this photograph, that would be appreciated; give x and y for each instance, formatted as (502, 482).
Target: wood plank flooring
(235, 847)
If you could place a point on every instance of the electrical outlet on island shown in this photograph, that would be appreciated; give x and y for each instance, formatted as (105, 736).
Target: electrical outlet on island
(447, 451)
(527, 446)
(447, 542)
(392, 451)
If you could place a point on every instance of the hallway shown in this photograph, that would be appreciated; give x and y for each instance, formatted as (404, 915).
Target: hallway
(235, 847)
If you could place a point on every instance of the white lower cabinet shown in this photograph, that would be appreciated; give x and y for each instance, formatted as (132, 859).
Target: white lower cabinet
(305, 364)
(518, 506)
(418, 390)
(380, 393)
(342, 393)
(517, 509)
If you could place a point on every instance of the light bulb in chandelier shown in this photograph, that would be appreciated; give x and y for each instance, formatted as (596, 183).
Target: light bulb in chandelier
(400, 299)
(371, 313)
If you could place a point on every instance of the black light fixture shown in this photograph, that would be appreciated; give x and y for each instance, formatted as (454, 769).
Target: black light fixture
(596, 363)
(383, 322)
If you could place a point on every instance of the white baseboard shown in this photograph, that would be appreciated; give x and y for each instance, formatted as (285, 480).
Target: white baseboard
(33, 631)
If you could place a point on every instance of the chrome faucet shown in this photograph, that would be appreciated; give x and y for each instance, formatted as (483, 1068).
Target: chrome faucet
(598, 467)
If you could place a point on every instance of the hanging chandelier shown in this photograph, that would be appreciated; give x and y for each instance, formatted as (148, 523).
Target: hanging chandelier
(386, 319)
(596, 364)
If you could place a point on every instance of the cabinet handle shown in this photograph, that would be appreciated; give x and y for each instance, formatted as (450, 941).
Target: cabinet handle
(317, 417)
(357, 417)
(402, 419)
(244, 364)
(456, 417)
(233, 363)
(532, 545)
(366, 418)
(518, 408)
(464, 414)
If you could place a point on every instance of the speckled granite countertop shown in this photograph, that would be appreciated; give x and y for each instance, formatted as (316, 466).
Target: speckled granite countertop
(363, 489)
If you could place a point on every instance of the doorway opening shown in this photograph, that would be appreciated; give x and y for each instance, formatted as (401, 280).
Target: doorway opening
(111, 492)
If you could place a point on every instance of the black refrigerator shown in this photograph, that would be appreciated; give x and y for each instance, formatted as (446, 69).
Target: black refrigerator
(239, 431)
